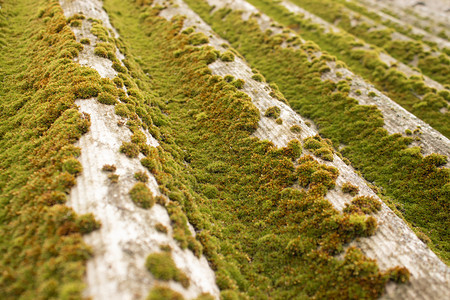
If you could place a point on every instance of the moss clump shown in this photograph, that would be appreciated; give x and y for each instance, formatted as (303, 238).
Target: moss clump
(162, 266)
(399, 274)
(258, 77)
(198, 38)
(129, 149)
(161, 228)
(228, 78)
(349, 188)
(72, 166)
(296, 129)
(161, 292)
(363, 205)
(85, 41)
(293, 150)
(273, 112)
(87, 223)
(239, 83)
(101, 51)
(113, 178)
(121, 109)
(141, 176)
(106, 98)
(320, 147)
(87, 89)
(227, 56)
(311, 173)
(141, 195)
(109, 168)
(118, 67)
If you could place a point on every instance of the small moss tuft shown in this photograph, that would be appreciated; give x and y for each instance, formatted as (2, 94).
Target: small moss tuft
(106, 98)
(129, 149)
(258, 77)
(119, 68)
(72, 166)
(109, 168)
(161, 228)
(363, 205)
(141, 176)
(198, 38)
(87, 223)
(349, 188)
(399, 274)
(85, 41)
(162, 266)
(320, 147)
(273, 112)
(239, 83)
(141, 195)
(227, 56)
(160, 292)
(296, 129)
(113, 178)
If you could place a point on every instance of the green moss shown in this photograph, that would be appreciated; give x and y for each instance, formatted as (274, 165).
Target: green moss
(129, 149)
(113, 178)
(293, 149)
(160, 292)
(106, 98)
(43, 254)
(399, 274)
(363, 205)
(141, 176)
(161, 228)
(296, 129)
(141, 195)
(349, 188)
(247, 205)
(101, 51)
(258, 77)
(72, 166)
(162, 267)
(228, 78)
(198, 38)
(227, 56)
(109, 168)
(239, 83)
(85, 41)
(320, 147)
(118, 67)
(87, 223)
(122, 110)
(273, 112)
(372, 94)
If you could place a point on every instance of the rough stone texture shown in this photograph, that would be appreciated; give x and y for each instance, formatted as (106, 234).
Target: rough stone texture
(394, 243)
(433, 15)
(128, 235)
